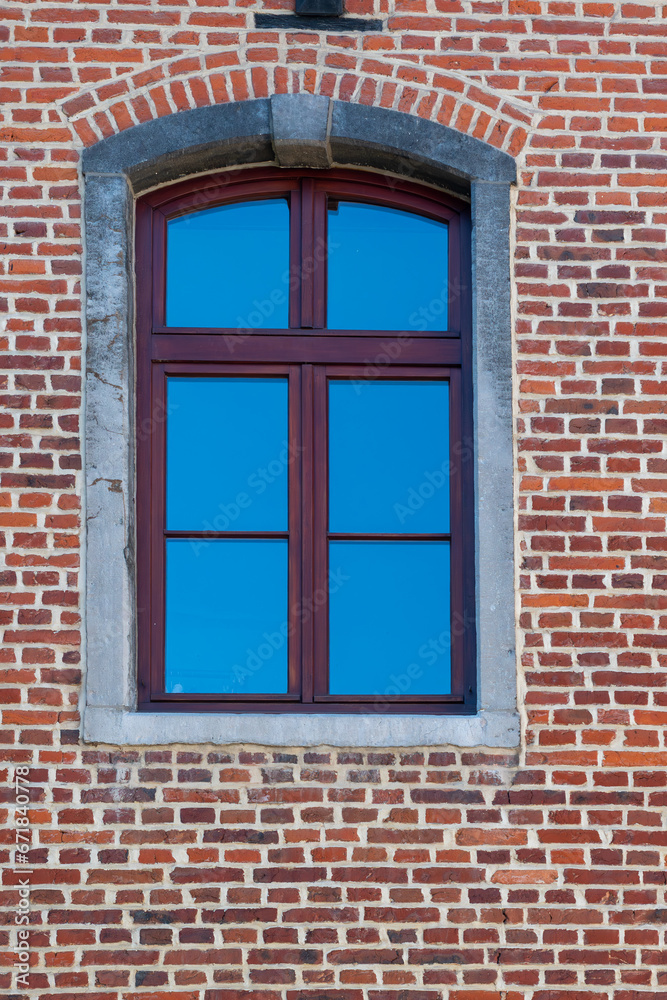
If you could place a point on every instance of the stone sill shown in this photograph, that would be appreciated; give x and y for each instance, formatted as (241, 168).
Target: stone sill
(125, 728)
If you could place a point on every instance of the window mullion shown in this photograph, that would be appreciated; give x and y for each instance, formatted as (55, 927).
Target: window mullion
(313, 256)
(307, 245)
(158, 485)
(297, 430)
(319, 259)
(304, 616)
(295, 260)
(320, 523)
(460, 515)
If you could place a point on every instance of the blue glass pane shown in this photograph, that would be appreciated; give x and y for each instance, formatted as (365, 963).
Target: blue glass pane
(388, 270)
(389, 456)
(390, 619)
(229, 267)
(227, 454)
(226, 613)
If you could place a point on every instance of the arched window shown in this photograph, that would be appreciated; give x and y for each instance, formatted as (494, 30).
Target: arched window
(304, 455)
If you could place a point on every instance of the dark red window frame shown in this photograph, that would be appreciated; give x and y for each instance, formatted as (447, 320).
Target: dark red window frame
(308, 354)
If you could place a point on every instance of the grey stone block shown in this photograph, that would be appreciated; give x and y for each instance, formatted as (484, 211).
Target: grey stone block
(379, 137)
(487, 729)
(194, 141)
(494, 493)
(108, 210)
(300, 130)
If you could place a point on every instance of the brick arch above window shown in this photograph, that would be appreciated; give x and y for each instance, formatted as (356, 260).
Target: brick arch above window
(199, 80)
(290, 130)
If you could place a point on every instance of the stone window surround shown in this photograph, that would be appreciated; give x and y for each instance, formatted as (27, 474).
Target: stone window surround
(292, 130)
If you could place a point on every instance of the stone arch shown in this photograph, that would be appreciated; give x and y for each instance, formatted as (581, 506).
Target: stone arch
(293, 130)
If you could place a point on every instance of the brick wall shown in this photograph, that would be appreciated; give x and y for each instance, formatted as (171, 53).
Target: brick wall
(225, 873)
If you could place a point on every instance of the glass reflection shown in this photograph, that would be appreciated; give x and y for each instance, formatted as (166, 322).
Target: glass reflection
(226, 616)
(229, 267)
(390, 630)
(228, 454)
(388, 269)
(389, 456)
